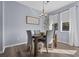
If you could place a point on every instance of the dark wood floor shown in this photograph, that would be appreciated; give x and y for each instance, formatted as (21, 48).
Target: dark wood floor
(62, 50)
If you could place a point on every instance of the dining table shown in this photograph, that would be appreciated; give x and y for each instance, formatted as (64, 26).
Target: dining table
(37, 38)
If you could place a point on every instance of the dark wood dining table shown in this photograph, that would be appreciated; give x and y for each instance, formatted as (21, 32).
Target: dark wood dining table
(36, 39)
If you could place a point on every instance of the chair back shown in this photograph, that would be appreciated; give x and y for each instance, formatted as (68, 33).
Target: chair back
(36, 31)
(49, 36)
(29, 35)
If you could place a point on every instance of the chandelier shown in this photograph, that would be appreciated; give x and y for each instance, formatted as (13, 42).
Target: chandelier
(43, 13)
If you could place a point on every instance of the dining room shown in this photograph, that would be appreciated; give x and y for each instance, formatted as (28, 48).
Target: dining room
(39, 29)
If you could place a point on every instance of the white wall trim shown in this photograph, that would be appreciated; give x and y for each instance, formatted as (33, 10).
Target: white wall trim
(63, 42)
(15, 44)
(3, 48)
(66, 43)
(3, 28)
(12, 46)
(2, 51)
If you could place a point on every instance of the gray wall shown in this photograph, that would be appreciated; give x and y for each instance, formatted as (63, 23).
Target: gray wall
(64, 37)
(1, 43)
(15, 23)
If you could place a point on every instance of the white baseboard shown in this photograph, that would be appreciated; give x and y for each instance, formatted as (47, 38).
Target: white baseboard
(2, 51)
(64, 42)
(12, 46)
(15, 44)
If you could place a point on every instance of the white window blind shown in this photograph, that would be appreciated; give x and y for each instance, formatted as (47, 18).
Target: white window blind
(64, 16)
(55, 18)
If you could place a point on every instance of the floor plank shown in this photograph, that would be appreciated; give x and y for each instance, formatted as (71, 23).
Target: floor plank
(62, 50)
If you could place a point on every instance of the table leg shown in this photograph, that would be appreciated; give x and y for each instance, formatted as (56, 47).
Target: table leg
(35, 47)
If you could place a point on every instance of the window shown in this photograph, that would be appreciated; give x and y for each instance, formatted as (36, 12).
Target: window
(65, 26)
(65, 20)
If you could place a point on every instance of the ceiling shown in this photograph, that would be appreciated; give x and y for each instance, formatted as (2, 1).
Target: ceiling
(50, 6)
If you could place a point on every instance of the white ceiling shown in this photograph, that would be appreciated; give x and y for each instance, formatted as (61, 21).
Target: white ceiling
(51, 6)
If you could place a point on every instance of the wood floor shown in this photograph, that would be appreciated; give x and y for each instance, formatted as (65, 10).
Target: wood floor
(62, 50)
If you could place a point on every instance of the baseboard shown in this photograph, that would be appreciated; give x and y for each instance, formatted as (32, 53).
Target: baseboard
(2, 51)
(11, 46)
(15, 44)
(64, 42)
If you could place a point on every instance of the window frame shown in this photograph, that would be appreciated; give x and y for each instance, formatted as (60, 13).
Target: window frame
(61, 25)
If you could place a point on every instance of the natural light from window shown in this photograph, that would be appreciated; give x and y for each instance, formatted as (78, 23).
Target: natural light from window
(62, 51)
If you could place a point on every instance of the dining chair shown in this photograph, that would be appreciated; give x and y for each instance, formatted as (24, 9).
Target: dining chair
(48, 39)
(29, 43)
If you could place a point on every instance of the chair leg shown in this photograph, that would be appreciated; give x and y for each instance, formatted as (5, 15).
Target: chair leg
(47, 48)
(31, 46)
(30, 50)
